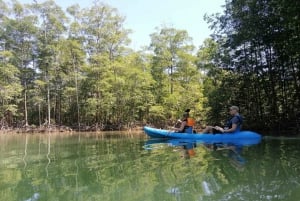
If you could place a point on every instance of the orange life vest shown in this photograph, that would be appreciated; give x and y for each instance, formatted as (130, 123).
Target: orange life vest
(190, 122)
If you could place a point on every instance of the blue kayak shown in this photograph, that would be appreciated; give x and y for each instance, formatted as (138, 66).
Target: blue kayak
(242, 137)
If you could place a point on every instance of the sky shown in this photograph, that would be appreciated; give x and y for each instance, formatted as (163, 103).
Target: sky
(143, 16)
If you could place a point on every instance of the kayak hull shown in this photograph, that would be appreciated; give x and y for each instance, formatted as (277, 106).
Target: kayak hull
(242, 137)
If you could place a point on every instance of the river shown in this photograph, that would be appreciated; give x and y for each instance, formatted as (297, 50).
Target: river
(126, 167)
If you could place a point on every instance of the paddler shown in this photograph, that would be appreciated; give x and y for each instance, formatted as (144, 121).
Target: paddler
(186, 123)
(233, 125)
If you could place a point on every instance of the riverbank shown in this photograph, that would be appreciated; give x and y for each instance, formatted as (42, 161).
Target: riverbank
(65, 129)
(132, 129)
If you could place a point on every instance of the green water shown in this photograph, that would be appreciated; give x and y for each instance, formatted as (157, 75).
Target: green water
(88, 167)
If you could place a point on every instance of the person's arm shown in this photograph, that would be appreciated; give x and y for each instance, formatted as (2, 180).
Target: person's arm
(232, 129)
(183, 123)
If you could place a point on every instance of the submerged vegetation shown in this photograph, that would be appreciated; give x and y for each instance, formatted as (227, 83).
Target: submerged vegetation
(76, 68)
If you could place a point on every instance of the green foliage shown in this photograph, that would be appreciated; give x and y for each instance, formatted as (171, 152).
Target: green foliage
(77, 69)
(258, 45)
(10, 87)
(177, 80)
(81, 70)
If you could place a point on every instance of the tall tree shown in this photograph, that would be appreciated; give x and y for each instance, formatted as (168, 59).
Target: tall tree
(52, 21)
(167, 45)
(20, 32)
(71, 57)
(10, 87)
(178, 82)
(216, 93)
(105, 40)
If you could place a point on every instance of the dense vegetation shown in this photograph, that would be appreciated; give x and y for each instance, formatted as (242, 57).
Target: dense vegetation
(75, 67)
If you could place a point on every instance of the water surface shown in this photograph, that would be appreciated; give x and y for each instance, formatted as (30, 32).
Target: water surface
(87, 167)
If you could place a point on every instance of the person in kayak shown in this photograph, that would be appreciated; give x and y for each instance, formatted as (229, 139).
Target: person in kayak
(233, 125)
(186, 124)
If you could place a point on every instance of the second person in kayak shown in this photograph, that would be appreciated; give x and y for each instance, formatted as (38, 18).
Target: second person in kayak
(233, 125)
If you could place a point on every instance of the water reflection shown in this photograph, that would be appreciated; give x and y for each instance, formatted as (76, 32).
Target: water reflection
(92, 167)
(34, 197)
(187, 146)
(204, 157)
(239, 171)
(231, 151)
(25, 152)
(48, 154)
